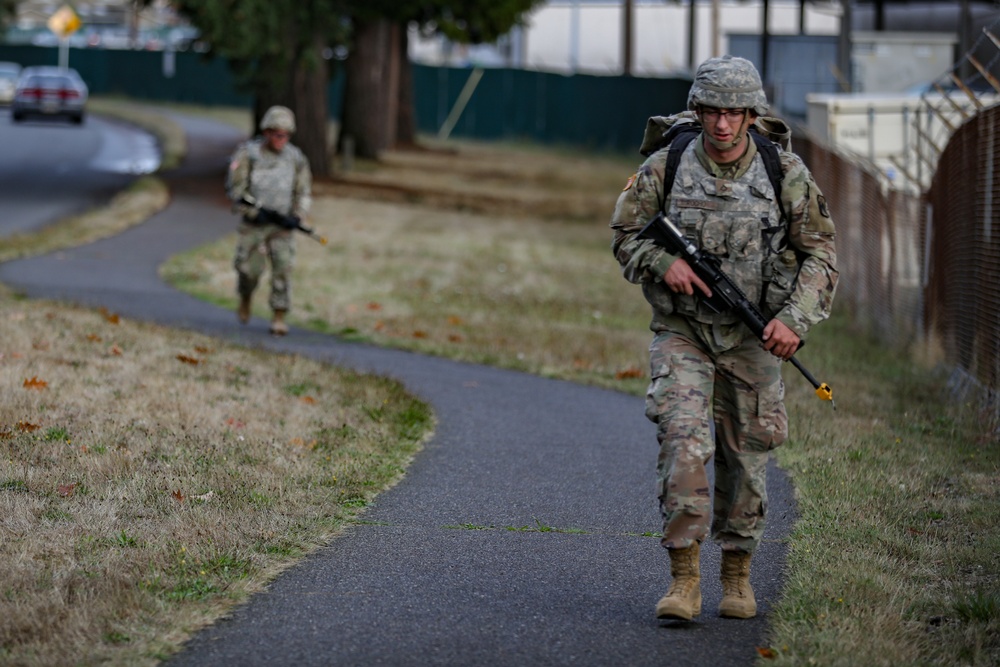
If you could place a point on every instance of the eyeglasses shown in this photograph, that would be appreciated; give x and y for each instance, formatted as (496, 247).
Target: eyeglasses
(732, 116)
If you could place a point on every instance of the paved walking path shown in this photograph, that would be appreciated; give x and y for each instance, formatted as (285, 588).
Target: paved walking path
(511, 450)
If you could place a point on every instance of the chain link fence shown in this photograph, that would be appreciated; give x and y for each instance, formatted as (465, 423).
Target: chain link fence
(921, 272)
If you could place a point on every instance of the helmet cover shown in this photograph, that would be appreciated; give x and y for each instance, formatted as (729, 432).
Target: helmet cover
(278, 118)
(728, 82)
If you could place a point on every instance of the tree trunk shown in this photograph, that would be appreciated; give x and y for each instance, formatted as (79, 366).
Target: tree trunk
(406, 119)
(309, 102)
(365, 91)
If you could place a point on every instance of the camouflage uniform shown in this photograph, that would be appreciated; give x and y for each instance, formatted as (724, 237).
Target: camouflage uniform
(279, 181)
(709, 371)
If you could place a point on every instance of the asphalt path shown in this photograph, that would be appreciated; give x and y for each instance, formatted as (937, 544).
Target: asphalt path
(50, 168)
(416, 583)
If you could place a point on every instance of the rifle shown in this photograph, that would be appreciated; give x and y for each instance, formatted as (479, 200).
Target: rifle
(726, 295)
(265, 215)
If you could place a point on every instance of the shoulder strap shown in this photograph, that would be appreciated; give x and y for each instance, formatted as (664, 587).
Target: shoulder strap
(772, 163)
(685, 135)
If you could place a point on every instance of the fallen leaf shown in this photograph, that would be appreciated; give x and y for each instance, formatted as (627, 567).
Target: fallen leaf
(767, 653)
(379, 325)
(40, 345)
(455, 320)
(93, 338)
(188, 360)
(632, 372)
(66, 490)
(419, 334)
(178, 496)
(35, 383)
(374, 305)
(115, 351)
(27, 427)
(454, 338)
(308, 400)
(235, 423)
(203, 350)
(5, 434)
(109, 316)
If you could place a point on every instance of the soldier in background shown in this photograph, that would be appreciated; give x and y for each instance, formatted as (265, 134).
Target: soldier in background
(715, 389)
(268, 174)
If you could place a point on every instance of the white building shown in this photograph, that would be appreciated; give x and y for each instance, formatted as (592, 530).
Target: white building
(586, 36)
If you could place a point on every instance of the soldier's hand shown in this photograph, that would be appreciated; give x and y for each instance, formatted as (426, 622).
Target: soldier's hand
(290, 221)
(779, 340)
(681, 278)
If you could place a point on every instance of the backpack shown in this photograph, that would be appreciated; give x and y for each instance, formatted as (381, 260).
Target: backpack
(679, 130)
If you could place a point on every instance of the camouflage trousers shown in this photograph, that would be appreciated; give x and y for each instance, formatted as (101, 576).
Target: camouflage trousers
(258, 245)
(718, 395)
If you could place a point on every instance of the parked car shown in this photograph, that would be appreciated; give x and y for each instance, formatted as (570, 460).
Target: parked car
(49, 91)
(8, 81)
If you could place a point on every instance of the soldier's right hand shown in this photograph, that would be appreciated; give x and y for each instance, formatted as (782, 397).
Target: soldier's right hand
(681, 278)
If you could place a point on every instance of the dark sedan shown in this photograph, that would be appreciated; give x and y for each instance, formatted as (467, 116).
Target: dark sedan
(49, 91)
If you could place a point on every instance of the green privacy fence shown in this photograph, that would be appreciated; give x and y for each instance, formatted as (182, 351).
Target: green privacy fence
(599, 112)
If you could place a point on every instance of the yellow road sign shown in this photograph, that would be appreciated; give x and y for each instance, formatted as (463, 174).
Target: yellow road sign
(64, 22)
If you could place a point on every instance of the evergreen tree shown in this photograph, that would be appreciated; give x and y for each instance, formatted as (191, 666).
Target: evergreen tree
(281, 50)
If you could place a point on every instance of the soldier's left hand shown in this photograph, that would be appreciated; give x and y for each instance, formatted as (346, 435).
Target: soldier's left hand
(779, 340)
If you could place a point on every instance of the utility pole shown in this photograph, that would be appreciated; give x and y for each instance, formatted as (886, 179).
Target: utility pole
(765, 42)
(627, 38)
(692, 28)
(844, 45)
(716, 47)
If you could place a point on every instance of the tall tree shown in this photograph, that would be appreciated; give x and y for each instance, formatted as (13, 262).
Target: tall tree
(8, 10)
(382, 118)
(279, 51)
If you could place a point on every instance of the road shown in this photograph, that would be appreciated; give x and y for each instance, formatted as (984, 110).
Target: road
(50, 169)
(412, 586)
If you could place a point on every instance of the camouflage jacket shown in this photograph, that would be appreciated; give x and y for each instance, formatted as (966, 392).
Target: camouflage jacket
(790, 267)
(280, 181)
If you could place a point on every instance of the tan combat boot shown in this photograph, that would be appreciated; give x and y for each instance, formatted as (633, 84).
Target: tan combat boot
(278, 326)
(683, 599)
(243, 310)
(737, 595)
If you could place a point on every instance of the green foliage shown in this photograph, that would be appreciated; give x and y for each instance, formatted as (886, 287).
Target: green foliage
(264, 39)
(8, 9)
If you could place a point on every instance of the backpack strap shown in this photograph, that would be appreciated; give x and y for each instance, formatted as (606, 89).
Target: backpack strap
(772, 163)
(683, 136)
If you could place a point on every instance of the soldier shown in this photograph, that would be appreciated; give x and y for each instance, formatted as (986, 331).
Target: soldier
(715, 389)
(268, 175)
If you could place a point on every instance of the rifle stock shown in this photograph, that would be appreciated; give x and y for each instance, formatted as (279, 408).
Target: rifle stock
(726, 295)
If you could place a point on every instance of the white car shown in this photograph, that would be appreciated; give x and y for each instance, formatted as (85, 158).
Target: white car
(49, 91)
(8, 81)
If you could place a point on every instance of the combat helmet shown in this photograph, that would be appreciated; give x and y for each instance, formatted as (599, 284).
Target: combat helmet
(278, 118)
(728, 82)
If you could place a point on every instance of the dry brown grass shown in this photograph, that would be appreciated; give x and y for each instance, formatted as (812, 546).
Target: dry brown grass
(151, 479)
